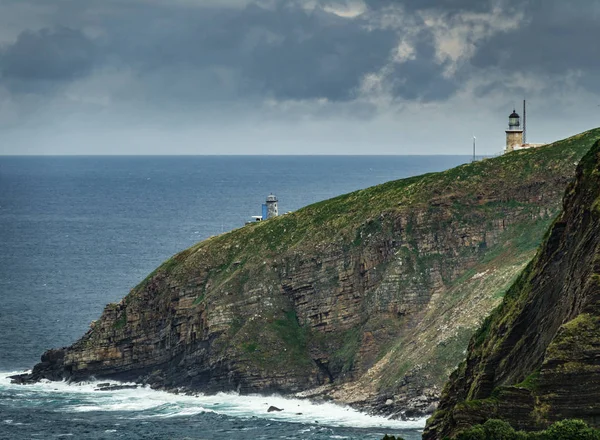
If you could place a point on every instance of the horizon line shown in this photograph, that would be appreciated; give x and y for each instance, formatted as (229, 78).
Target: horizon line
(242, 155)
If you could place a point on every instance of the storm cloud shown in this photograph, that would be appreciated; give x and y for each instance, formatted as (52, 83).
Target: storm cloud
(555, 39)
(129, 60)
(53, 54)
(287, 50)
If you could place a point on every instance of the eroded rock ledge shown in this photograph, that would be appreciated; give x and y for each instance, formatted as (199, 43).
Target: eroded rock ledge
(375, 293)
(536, 360)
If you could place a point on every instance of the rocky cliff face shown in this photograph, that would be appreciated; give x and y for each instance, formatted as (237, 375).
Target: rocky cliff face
(536, 360)
(370, 297)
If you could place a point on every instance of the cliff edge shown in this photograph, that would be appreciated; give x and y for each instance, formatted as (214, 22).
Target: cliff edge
(369, 298)
(536, 359)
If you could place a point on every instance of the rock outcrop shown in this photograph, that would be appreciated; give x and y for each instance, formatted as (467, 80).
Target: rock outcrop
(369, 298)
(536, 359)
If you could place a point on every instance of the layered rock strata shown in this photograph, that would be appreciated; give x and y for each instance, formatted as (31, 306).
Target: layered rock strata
(536, 359)
(368, 298)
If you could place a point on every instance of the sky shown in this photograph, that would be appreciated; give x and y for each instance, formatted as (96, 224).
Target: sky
(293, 76)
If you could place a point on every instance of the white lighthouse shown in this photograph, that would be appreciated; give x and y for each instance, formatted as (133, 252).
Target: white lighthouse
(272, 210)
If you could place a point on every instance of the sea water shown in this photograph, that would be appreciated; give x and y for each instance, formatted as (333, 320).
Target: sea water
(79, 232)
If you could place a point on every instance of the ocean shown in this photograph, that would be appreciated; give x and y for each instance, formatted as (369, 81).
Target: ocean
(77, 233)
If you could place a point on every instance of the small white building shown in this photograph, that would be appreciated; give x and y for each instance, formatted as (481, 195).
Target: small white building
(269, 210)
(272, 209)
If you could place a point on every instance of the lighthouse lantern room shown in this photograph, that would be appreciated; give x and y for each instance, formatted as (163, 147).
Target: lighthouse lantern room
(514, 134)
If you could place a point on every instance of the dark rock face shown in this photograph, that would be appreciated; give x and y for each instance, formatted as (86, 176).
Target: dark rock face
(536, 360)
(371, 296)
(113, 387)
(51, 367)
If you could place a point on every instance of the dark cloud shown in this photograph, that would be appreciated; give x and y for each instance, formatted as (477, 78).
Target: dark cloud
(422, 78)
(57, 54)
(286, 52)
(450, 7)
(555, 39)
(321, 62)
(183, 53)
(542, 46)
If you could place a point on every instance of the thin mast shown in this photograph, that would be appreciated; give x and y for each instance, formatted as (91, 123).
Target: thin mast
(524, 122)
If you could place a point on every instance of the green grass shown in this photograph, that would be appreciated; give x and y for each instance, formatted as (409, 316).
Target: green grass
(343, 359)
(250, 347)
(450, 197)
(530, 382)
(224, 270)
(575, 339)
(494, 429)
(290, 332)
(350, 218)
(121, 322)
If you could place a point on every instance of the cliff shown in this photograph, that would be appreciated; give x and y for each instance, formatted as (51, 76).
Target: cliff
(369, 298)
(536, 359)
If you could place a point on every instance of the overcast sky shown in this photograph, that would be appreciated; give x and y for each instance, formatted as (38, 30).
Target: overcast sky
(293, 76)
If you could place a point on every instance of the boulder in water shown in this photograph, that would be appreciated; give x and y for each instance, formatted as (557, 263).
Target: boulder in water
(117, 388)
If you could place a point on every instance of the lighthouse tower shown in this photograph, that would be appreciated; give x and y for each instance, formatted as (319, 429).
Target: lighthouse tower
(514, 134)
(272, 210)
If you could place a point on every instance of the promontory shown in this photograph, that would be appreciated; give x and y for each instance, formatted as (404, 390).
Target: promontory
(369, 298)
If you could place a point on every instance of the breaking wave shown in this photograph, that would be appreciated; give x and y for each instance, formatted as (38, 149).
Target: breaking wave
(145, 403)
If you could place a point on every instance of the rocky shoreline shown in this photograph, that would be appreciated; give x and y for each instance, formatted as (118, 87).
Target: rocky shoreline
(51, 368)
(368, 299)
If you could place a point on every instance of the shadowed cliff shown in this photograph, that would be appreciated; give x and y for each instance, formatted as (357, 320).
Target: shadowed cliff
(369, 298)
(536, 359)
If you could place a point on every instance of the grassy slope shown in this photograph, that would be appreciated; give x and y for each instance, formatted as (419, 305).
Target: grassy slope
(439, 341)
(569, 351)
(341, 218)
(231, 259)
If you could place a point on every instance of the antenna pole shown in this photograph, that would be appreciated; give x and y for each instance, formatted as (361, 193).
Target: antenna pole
(524, 122)
(474, 139)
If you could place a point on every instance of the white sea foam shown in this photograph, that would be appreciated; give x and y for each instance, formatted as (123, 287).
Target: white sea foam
(144, 402)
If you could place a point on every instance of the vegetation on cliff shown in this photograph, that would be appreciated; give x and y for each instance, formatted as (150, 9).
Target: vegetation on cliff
(374, 293)
(494, 429)
(536, 358)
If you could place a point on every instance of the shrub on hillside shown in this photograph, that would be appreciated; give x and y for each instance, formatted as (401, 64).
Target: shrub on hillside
(570, 429)
(500, 430)
(491, 429)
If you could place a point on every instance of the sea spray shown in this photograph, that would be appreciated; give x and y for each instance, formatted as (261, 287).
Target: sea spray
(145, 403)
